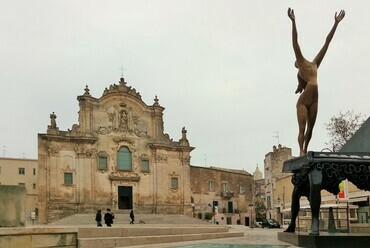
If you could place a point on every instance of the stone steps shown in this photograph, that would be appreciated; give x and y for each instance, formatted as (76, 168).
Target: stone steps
(89, 219)
(120, 237)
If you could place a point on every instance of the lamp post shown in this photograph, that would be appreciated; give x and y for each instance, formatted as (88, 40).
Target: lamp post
(282, 204)
(251, 211)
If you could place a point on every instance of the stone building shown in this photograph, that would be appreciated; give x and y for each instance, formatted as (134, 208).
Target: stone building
(117, 156)
(259, 185)
(226, 192)
(259, 195)
(257, 174)
(273, 170)
(21, 172)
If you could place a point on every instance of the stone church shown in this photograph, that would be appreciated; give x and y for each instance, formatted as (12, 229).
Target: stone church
(117, 157)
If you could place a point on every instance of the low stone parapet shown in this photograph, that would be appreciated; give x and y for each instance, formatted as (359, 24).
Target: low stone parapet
(38, 237)
(360, 228)
(100, 237)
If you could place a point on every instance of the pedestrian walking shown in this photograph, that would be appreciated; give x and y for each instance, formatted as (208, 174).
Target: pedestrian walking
(108, 217)
(98, 218)
(132, 216)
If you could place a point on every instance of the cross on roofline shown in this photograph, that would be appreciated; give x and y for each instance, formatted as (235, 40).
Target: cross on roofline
(122, 69)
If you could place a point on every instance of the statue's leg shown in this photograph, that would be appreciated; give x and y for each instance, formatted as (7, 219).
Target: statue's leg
(302, 120)
(294, 209)
(311, 119)
(315, 178)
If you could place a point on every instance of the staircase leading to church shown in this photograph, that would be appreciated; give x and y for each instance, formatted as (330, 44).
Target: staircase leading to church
(123, 218)
(145, 235)
(158, 228)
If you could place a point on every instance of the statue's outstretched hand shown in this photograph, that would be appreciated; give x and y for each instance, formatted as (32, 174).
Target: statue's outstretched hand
(339, 17)
(291, 14)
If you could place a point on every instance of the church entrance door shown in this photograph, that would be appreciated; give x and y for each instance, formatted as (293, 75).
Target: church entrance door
(124, 197)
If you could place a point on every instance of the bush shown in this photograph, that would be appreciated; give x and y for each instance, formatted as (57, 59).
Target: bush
(199, 215)
(208, 216)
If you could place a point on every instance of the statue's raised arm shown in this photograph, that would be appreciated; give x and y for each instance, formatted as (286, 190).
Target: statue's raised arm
(297, 49)
(321, 54)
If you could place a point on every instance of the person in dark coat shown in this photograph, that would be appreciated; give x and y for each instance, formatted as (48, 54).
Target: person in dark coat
(108, 217)
(98, 218)
(132, 216)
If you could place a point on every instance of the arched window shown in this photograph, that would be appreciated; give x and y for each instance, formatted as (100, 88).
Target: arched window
(124, 161)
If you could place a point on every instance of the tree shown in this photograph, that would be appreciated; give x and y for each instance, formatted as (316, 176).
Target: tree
(341, 127)
(260, 209)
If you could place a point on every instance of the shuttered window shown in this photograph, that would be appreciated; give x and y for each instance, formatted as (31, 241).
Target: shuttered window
(68, 178)
(145, 165)
(102, 163)
(211, 185)
(124, 159)
(174, 183)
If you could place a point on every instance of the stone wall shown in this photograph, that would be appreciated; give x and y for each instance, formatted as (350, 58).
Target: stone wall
(39, 237)
(239, 193)
(12, 206)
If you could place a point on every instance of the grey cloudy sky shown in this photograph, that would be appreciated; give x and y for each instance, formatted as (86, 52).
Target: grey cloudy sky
(222, 69)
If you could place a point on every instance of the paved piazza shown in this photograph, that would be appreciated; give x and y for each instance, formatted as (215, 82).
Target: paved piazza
(253, 238)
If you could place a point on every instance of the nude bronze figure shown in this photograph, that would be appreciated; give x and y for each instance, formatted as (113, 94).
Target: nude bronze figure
(306, 114)
(307, 103)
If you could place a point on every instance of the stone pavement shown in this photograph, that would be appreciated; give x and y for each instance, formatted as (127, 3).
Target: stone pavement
(252, 236)
(89, 219)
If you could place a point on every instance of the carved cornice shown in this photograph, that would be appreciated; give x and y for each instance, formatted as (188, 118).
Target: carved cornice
(109, 129)
(124, 176)
(171, 147)
(123, 139)
(71, 139)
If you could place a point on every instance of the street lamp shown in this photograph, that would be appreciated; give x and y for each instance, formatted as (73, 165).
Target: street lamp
(251, 211)
(282, 203)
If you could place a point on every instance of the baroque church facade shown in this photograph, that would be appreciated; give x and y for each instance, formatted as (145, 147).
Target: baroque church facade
(117, 156)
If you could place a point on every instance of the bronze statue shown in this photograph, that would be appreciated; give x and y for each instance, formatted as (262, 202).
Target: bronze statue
(307, 82)
(306, 114)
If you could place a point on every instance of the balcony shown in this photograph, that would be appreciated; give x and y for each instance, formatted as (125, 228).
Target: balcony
(227, 194)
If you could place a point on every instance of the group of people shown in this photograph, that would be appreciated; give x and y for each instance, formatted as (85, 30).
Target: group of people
(109, 216)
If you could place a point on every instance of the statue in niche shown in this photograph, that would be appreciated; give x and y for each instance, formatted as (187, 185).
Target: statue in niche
(53, 123)
(307, 82)
(124, 120)
(112, 118)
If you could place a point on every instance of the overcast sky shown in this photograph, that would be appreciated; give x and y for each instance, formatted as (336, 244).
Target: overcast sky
(223, 69)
